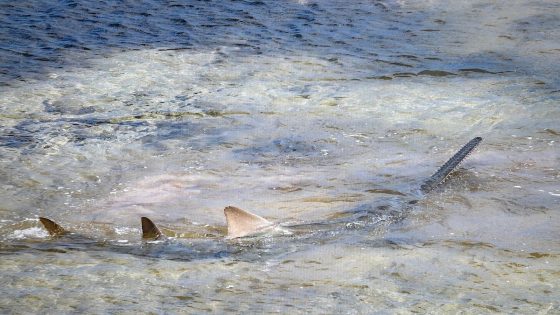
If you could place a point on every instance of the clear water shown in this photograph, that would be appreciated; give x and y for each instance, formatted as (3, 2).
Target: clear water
(299, 111)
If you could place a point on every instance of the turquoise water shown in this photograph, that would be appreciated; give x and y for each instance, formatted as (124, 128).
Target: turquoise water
(300, 112)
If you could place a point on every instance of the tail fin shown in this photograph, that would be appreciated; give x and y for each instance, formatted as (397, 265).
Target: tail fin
(450, 165)
(243, 223)
(53, 228)
(150, 230)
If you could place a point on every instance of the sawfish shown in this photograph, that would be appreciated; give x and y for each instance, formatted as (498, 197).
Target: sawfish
(244, 225)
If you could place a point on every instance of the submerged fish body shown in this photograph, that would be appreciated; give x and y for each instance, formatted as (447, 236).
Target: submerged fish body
(242, 223)
(247, 228)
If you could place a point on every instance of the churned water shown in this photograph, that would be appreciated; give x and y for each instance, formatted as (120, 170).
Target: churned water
(300, 111)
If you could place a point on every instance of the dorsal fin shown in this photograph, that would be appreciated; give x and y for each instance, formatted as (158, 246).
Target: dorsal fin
(242, 223)
(150, 230)
(53, 228)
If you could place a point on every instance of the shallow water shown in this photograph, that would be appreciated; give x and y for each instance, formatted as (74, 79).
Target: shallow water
(298, 111)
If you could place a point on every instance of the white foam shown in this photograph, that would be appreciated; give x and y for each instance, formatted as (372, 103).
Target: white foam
(34, 232)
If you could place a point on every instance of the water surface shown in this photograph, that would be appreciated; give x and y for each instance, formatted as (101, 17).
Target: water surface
(298, 111)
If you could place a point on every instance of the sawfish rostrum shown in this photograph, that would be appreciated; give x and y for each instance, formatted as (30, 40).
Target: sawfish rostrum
(451, 164)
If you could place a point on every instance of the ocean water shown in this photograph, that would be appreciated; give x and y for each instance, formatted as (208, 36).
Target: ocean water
(299, 111)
